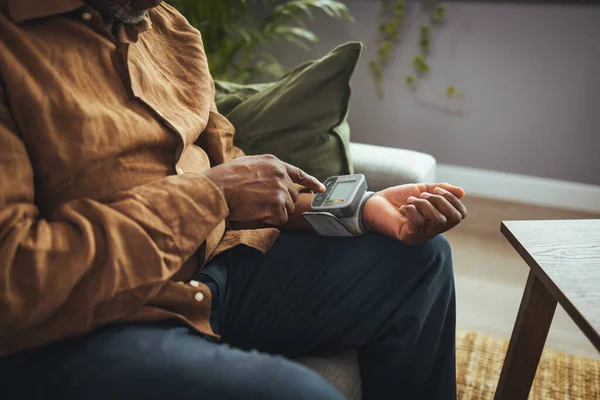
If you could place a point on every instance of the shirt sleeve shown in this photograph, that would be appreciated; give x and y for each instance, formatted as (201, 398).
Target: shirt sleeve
(93, 262)
(218, 136)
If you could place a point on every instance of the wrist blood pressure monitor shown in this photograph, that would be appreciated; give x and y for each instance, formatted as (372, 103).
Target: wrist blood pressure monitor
(339, 210)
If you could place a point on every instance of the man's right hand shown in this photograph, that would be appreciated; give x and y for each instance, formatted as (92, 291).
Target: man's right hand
(415, 213)
(260, 188)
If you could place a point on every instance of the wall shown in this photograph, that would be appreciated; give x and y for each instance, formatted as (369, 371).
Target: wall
(530, 73)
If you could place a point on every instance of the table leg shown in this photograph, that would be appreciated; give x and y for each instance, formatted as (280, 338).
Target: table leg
(527, 341)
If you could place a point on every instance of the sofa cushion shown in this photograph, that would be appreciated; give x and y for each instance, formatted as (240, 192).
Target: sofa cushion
(341, 370)
(301, 118)
(389, 166)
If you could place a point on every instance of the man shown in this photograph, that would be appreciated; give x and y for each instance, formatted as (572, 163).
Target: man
(120, 275)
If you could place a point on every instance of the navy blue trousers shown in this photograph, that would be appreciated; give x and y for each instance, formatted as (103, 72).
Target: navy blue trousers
(309, 295)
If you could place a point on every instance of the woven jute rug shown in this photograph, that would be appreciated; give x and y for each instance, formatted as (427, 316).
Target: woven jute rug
(561, 376)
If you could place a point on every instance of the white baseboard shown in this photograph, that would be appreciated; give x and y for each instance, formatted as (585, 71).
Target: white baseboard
(522, 188)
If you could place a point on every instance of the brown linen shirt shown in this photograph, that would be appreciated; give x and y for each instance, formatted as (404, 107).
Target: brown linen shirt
(102, 138)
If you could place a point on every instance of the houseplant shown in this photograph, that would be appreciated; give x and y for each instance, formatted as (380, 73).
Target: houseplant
(393, 14)
(237, 33)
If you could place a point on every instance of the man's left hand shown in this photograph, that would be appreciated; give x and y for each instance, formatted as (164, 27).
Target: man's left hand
(415, 213)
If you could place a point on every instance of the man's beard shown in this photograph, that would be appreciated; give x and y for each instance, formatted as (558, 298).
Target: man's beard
(127, 14)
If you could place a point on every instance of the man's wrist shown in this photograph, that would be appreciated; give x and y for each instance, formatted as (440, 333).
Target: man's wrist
(368, 212)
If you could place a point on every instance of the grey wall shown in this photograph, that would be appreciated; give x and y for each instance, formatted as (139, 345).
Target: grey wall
(530, 73)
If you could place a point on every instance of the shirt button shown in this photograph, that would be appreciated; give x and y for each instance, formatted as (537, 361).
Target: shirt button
(86, 16)
(180, 171)
(199, 297)
(195, 284)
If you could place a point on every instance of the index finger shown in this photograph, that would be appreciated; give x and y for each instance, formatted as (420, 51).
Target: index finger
(301, 177)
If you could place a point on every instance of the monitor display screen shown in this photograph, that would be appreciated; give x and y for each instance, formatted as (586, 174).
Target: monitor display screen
(341, 192)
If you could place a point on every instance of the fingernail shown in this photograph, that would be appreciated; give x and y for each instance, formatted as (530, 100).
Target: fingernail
(412, 199)
(425, 195)
(439, 190)
(323, 188)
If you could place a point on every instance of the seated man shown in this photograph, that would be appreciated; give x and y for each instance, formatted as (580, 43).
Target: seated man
(120, 273)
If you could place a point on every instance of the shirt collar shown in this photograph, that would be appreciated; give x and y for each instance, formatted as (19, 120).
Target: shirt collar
(23, 10)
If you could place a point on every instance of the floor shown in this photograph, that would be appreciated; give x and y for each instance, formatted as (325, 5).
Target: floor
(490, 275)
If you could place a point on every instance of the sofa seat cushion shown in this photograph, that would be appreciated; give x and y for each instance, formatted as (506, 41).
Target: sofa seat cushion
(340, 369)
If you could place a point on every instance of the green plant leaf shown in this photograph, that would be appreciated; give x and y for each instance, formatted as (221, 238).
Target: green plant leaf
(287, 32)
(438, 14)
(375, 67)
(425, 45)
(420, 64)
(452, 91)
(385, 50)
(248, 35)
(289, 10)
(295, 8)
(335, 9)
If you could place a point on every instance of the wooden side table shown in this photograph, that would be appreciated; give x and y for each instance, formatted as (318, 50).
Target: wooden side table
(564, 257)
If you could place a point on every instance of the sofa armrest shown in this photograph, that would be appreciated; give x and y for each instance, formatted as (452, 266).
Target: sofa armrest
(387, 166)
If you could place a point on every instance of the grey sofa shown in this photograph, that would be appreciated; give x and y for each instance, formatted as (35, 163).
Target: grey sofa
(383, 167)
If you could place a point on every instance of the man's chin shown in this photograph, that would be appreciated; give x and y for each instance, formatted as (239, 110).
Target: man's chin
(128, 15)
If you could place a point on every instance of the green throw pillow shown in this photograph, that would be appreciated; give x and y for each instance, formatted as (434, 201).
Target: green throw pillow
(301, 118)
